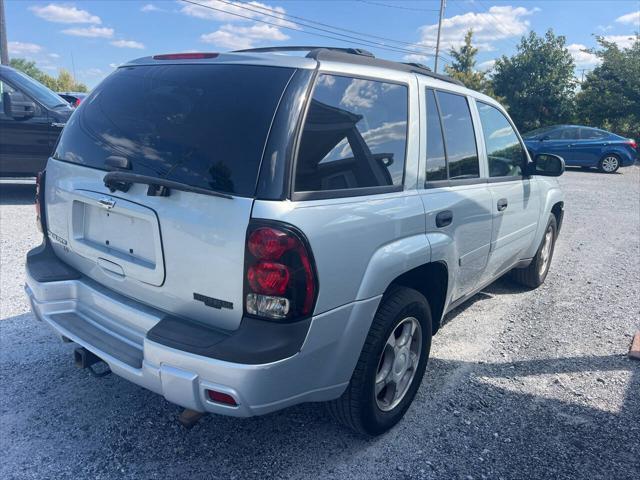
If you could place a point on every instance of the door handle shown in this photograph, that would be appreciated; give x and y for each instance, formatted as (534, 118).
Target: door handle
(502, 204)
(58, 124)
(444, 218)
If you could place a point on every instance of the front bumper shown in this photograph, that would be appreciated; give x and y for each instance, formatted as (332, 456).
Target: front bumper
(117, 329)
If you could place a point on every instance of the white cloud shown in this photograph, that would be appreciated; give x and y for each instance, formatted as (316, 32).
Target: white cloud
(623, 41)
(127, 44)
(581, 57)
(632, 18)
(61, 13)
(486, 65)
(93, 32)
(149, 7)
(236, 37)
(22, 48)
(237, 8)
(499, 23)
(416, 58)
(54, 55)
(360, 94)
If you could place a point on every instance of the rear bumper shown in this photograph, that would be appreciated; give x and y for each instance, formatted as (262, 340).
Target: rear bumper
(124, 333)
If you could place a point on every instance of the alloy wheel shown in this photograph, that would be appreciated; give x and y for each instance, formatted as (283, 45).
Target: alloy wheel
(398, 364)
(610, 164)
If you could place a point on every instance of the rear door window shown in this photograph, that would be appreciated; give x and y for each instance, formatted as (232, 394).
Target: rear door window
(459, 136)
(505, 153)
(570, 133)
(354, 136)
(204, 125)
(592, 134)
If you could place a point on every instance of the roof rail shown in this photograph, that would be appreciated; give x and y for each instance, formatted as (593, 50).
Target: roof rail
(355, 56)
(418, 65)
(310, 49)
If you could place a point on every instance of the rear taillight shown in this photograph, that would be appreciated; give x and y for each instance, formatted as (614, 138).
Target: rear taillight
(633, 143)
(280, 279)
(39, 201)
(77, 102)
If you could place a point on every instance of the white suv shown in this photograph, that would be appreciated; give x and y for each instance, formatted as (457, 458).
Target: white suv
(241, 232)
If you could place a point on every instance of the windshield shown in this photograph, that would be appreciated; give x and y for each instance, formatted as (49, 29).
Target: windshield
(204, 125)
(539, 131)
(36, 90)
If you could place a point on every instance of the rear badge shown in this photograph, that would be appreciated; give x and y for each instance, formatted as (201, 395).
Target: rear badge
(57, 238)
(107, 203)
(212, 302)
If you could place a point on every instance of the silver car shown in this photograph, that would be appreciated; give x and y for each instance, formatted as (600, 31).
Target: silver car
(245, 231)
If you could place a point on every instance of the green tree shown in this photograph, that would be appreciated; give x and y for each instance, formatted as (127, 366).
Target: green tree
(463, 66)
(537, 82)
(64, 82)
(609, 97)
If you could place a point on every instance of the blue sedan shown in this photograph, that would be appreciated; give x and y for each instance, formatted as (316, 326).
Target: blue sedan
(584, 146)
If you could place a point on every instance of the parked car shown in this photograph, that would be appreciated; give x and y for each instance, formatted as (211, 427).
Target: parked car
(584, 146)
(245, 231)
(31, 118)
(74, 98)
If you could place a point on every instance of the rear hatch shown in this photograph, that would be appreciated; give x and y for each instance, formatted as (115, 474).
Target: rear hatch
(178, 249)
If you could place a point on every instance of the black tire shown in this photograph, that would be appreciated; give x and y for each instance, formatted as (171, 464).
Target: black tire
(357, 408)
(533, 276)
(601, 163)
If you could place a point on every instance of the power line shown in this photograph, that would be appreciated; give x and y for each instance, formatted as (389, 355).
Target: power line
(400, 7)
(355, 40)
(288, 15)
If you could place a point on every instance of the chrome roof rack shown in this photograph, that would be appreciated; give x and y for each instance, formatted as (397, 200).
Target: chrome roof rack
(354, 56)
(310, 49)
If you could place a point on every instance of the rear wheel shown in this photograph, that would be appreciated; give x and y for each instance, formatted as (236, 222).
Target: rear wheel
(609, 164)
(391, 365)
(535, 274)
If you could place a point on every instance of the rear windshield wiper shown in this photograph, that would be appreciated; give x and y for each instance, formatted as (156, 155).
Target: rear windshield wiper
(158, 187)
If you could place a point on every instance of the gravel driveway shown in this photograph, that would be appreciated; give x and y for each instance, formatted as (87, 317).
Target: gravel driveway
(520, 384)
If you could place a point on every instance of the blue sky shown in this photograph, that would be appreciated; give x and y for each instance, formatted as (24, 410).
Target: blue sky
(95, 36)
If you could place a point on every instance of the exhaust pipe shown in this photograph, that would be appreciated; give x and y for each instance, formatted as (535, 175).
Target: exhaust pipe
(83, 358)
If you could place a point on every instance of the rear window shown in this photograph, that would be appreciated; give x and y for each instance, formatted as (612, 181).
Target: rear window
(203, 125)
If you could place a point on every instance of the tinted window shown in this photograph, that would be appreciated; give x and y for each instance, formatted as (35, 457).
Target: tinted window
(538, 132)
(459, 137)
(35, 89)
(4, 88)
(354, 135)
(592, 134)
(436, 164)
(504, 151)
(204, 125)
(570, 133)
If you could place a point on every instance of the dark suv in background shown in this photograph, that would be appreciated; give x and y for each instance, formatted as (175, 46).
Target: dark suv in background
(31, 119)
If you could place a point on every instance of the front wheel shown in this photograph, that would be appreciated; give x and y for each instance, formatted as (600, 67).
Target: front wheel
(609, 164)
(391, 364)
(535, 274)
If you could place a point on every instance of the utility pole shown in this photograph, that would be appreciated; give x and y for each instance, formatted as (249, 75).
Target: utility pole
(4, 52)
(435, 67)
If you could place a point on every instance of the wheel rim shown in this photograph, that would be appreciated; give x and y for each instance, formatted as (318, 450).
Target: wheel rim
(610, 163)
(545, 253)
(398, 364)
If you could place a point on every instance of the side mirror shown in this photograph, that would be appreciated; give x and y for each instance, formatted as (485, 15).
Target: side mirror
(546, 165)
(18, 106)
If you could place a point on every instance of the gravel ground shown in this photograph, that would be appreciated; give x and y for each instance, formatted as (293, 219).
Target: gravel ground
(520, 384)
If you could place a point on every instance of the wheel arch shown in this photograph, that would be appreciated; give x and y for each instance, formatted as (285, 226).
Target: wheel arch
(431, 280)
